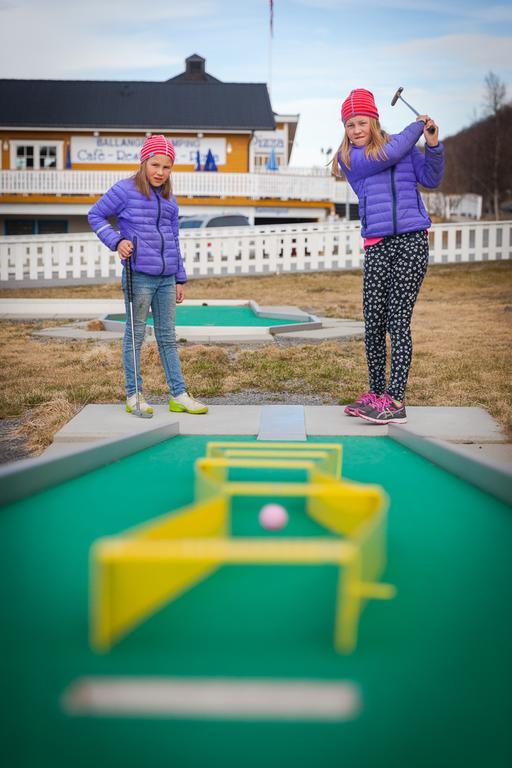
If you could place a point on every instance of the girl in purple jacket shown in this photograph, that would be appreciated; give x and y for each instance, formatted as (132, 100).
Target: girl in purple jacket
(384, 172)
(147, 216)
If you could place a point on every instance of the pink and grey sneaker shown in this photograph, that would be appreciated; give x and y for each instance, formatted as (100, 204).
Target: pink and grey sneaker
(363, 401)
(385, 410)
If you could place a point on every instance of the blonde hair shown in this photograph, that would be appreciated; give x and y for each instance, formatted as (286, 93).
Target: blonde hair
(141, 182)
(374, 148)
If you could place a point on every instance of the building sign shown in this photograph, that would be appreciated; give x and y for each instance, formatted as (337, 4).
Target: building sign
(265, 141)
(118, 150)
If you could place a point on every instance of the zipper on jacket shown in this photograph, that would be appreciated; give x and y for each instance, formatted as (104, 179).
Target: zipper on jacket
(364, 217)
(159, 232)
(393, 193)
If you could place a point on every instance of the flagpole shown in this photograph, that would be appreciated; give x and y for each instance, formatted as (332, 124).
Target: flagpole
(271, 35)
(270, 67)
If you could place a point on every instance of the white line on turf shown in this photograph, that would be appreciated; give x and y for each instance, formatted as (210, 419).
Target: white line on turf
(213, 698)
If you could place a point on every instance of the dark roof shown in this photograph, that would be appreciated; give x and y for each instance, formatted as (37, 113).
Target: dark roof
(175, 104)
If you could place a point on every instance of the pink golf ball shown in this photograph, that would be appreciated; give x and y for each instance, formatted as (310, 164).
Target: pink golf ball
(273, 517)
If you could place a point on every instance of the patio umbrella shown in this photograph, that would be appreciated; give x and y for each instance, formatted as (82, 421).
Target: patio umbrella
(210, 162)
(272, 162)
(198, 161)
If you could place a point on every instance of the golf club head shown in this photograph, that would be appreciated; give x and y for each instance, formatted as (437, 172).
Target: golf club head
(396, 96)
(142, 414)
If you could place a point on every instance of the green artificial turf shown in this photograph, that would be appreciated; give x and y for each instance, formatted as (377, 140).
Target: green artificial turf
(433, 665)
(218, 316)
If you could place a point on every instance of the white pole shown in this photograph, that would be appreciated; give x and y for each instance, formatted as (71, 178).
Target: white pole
(269, 86)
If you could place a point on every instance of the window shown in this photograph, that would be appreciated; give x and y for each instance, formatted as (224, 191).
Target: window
(24, 157)
(20, 227)
(36, 227)
(48, 156)
(37, 155)
(52, 227)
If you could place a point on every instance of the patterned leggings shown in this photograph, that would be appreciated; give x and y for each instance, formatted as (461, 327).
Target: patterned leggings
(394, 269)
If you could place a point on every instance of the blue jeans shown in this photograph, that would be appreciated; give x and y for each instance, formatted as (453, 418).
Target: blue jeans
(159, 293)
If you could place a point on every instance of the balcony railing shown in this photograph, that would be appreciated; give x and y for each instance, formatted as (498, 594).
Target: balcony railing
(248, 250)
(257, 186)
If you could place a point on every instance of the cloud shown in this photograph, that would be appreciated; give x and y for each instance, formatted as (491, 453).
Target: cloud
(479, 12)
(478, 51)
(94, 40)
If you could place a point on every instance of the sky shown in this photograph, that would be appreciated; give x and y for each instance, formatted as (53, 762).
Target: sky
(440, 51)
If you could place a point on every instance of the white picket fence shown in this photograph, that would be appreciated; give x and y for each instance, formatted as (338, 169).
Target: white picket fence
(242, 251)
(277, 186)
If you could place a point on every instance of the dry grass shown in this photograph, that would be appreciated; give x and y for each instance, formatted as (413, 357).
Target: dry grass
(38, 425)
(462, 333)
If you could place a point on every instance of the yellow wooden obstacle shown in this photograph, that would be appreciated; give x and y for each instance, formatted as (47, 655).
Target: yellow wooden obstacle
(137, 573)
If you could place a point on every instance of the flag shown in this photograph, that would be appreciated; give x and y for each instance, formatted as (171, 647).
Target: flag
(271, 6)
(210, 164)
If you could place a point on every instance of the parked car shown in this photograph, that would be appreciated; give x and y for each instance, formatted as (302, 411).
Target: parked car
(204, 222)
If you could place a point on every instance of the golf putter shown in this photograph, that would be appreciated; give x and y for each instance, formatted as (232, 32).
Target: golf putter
(398, 95)
(129, 284)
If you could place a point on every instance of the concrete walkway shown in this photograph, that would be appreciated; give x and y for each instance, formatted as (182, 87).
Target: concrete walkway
(81, 310)
(332, 329)
(472, 428)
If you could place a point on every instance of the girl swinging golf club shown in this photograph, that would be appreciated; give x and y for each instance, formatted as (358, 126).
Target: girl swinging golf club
(384, 171)
(153, 274)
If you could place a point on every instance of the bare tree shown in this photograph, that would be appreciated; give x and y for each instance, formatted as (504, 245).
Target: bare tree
(494, 100)
(495, 94)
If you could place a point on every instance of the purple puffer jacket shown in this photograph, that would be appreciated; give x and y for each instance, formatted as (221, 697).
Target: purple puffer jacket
(389, 200)
(151, 224)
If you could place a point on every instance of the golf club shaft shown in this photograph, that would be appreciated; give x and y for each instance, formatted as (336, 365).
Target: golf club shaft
(129, 284)
(410, 106)
(431, 129)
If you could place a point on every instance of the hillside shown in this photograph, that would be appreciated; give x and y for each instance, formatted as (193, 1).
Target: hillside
(479, 160)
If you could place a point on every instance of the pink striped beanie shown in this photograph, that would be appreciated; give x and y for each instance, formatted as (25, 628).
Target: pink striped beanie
(157, 145)
(359, 102)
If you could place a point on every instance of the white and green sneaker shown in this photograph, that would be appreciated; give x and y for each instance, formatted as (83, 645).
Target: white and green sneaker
(145, 409)
(185, 404)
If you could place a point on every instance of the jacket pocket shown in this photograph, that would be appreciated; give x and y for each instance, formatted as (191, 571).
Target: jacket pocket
(363, 222)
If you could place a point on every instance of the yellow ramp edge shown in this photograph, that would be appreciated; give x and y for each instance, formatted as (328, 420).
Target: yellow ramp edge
(135, 574)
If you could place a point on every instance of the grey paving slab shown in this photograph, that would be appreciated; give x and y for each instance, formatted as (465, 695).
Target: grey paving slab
(102, 421)
(462, 424)
(330, 420)
(282, 422)
(455, 424)
(282, 310)
(106, 421)
(233, 339)
(324, 334)
(81, 334)
(333, 322)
